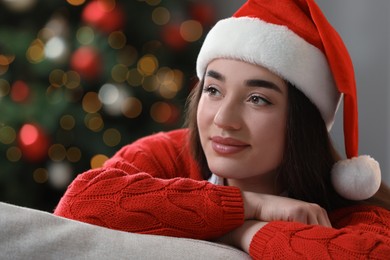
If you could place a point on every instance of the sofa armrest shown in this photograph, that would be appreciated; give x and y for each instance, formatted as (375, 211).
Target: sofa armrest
(32, 234)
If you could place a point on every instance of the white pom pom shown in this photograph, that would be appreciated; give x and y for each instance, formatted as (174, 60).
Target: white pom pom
(358, 178)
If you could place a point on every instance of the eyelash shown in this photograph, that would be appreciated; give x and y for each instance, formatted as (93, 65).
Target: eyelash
(259, 98)
(213, 91)
(210, 90)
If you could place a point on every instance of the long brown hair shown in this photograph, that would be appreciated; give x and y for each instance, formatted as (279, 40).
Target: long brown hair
(308, 155)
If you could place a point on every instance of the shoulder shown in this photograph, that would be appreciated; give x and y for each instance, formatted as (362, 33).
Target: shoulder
(164, 153)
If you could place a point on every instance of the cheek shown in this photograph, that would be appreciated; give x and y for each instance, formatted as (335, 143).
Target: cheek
(270, 139)
(204, 116)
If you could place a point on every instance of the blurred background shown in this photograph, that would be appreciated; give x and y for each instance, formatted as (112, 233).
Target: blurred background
(79, 79)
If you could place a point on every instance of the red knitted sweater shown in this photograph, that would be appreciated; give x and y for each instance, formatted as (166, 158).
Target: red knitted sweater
(153, 186)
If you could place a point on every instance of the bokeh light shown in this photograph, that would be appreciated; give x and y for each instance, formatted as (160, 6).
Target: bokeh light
(117, 40)
(94, 122)
(55, 49)
(40, 175)
(29, 134)
(57, 152)
(4, 88)
(150, 83)
(73, 154)
(14, 154)
(119, 73)
(91, 102)
(85, 35)
(161, 112)
(134, 78)
(75, 2)
(191, 30)
(132, 107)
(36, 52)
(111, 137)
(60, 174)
(7, 135)
(147, 65)
(72, 79)
(98, 161)
(20, 91)
(161, 15)
(67, 122)
(57, 78)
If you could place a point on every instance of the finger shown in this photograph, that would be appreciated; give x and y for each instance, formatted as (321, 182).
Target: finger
(323, 219)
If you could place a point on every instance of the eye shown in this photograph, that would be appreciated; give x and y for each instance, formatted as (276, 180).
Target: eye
(211, 91)
(258, 100)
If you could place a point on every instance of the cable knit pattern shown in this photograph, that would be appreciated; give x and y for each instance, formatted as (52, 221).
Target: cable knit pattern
(359, 232)
(153, 186)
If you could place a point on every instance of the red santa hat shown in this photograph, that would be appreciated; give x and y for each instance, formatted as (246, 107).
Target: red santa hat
(293, 39)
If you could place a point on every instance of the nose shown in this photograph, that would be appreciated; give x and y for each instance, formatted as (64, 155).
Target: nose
(228, 116)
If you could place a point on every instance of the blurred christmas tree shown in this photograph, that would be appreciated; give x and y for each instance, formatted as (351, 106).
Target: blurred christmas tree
(79, 79)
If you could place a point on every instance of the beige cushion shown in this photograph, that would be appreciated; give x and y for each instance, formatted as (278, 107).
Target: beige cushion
(31, 234)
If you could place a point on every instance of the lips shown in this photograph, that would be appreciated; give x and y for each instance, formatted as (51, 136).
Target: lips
(227, 146)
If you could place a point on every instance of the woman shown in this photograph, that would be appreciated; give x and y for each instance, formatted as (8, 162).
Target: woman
(255, 168)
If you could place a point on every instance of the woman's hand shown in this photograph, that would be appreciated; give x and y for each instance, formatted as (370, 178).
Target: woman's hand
(262, 208)
(267, 208)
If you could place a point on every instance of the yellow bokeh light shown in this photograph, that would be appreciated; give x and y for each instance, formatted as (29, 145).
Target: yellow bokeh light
(6, 60)
(57, 78)
(57, 152)
(111, 137)
(94, 122)
(36, 51)
(150, 83)
(72, 79)
(132, 107)
(67, 122)
(40, 175)
(7, 135)
(168, 90)
(91, 102)
(73, 154)
(161, 15)
(3, 69)
(75, 2)
(134, 78)
(161, 112)
(147, 65)
(119, 73)
(191, 30)
(98, 161)
(117, 40)
(14, 154)
(4, 88)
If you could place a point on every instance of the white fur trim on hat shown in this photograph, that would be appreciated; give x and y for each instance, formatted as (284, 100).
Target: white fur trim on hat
(358, 178)
(278, 49)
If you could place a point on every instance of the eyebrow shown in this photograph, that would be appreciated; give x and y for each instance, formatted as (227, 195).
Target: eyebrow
(250, 83)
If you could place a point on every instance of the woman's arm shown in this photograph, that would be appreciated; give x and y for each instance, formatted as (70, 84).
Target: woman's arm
(358, 232)
(151, 187)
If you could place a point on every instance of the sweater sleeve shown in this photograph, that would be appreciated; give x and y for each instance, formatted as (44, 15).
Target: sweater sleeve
(361, 232)
(153, 187)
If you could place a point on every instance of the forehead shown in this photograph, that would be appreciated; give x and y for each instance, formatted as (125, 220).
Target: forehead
(236, 71)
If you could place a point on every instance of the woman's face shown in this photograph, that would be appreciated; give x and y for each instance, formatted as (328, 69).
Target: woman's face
(242, 120)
